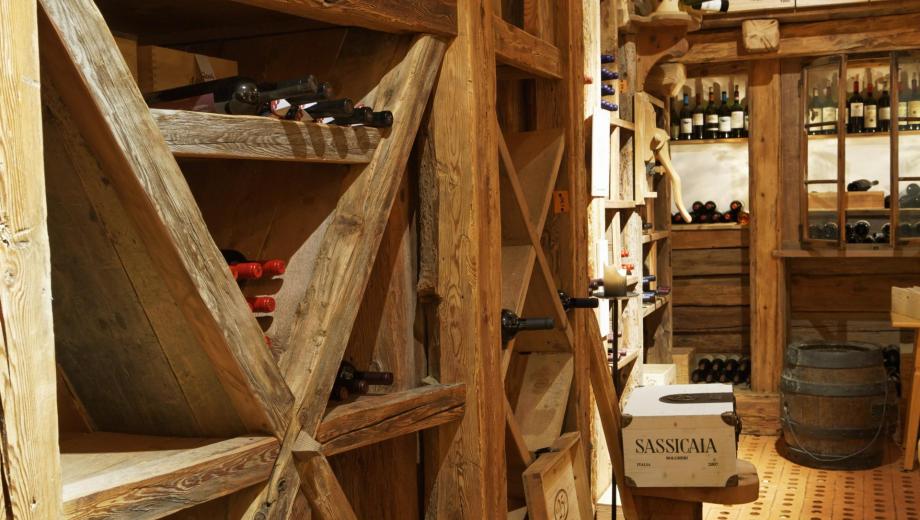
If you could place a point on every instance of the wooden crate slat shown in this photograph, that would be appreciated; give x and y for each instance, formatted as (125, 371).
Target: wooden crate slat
(110, 474)
(423, 16)
(217, 136)
(114, 120)
(376, 418)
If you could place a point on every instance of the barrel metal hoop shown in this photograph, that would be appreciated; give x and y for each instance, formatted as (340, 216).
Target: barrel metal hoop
(832, 390)
(861, 356)
(829, 433)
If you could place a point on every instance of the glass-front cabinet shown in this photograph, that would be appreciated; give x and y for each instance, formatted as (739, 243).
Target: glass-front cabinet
(861, 144)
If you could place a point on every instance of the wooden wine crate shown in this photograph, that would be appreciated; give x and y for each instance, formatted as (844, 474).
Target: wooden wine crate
(855, 200)
(682, 357)
(159, 68)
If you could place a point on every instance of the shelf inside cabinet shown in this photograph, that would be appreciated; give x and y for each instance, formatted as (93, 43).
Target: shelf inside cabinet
(709, 227)
(654, 236)
(118, 475)
(708, 141)
(649, 308)
(220, 136)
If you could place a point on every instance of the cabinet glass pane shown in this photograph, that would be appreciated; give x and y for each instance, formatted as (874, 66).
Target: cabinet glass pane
(821, 81)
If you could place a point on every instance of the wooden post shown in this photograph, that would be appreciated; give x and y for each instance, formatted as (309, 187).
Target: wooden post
(460, 268)
(31, 475)
(767, 272)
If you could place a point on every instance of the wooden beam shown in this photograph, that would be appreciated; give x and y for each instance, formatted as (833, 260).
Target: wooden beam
(115, 121)
(419, 16)
(217, 136)
(373, 419)
(318, 483)
(820, 13)
(879, 33)
(108, 475)
(31, 473)
(520, 49)
(459, 174)
(766, 272)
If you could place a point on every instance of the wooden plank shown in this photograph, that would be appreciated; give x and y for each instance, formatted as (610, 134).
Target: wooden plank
(709, 239)
(810, 14)
(372, 419)
(768, 293)
(347, 251)
(419, 16)
(164, 384)
(854, 293)
(544, 392)
(717, 291)
(522, 50)
(870, 327)
(906, 301)
(31, 473)
(879, 33)
(460, 172)
(760, 35)
(696, 262)
(759, 412)
(114, 120)
(714, 343)
(217, 136)
(536, 157)
(711, 319)
(107, 475)
(162, 68)
(327, 500)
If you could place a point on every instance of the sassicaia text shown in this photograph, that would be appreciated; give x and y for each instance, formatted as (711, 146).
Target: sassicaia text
(675, 446)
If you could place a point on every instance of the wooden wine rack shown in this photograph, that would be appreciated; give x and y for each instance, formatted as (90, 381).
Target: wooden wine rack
(169, 402)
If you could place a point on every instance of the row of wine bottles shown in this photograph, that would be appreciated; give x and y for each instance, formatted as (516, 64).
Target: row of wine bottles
(860, 232)
(864, 112)
(712, 121)
(244, 269)
(608, 75)
(719, 370)
(708, 213)
(295, 99)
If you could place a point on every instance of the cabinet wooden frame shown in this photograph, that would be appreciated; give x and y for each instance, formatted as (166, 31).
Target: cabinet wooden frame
(893, 61)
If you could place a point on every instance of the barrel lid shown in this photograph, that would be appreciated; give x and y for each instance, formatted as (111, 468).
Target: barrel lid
(833, 354)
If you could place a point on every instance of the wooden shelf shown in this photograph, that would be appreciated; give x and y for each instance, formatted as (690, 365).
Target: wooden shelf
(852, 251)
(619, 204)
(630, 357)
(708, 227)
(881, 212)
(863, 136)
(655, 236)
(371, 419)
(218, 136)
(709, 141)
(622, 123)
(108, 475)
(649, 308)
(524, 51)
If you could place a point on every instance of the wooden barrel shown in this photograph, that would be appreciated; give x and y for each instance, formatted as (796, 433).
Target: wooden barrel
(834, 400)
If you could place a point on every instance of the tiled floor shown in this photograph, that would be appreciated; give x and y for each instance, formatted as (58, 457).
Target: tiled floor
(790, 491)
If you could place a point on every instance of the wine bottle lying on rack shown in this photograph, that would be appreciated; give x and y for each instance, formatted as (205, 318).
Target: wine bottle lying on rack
(365, 116)
(235, 95)
(351, 381)
(712, 6)
(512, 324)
(244, 269)
(569, 303)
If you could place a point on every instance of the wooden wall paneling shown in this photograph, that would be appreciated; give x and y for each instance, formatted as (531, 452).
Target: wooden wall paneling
(164, 384)
(31, 473)
(696, 262)
(459, 170)
(437, 16)
(767, 272)
(113, 118)
(711, 291)
(710, 238)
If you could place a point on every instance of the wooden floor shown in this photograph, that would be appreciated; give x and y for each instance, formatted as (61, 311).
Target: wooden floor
(790, 491)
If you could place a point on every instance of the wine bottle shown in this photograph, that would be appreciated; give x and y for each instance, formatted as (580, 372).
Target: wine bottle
(831, 231)
(609, 75)
(725, 117)
(351, 381)
(612, 107)
(732, 364)
(676, 218)
(718, 364)
(815, 231)
(365, 116)
(335, 108)
(744, 218)
(261, 303)
(703, 218)
(747, 121)
(697, 376)
(686, 120)
(729, 216)
(512, 324)
(712, 118)
(698, 117)
(879, 238)
(711, 377)
(814, 114)
(712, 6)
(245, 269)
(569, 303)
(737, 116)
(704, 364)
(884, 112)
(913, 105)
(607, 90)
(675, 121)
(608, 58)
(738, 378)
(871, 111)
(234, 95)
(715, 217)
(861, 185)
(856, 110)
(829, 112)
(710, 206)
(696, 207)
(861, 230)
(735, 206)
